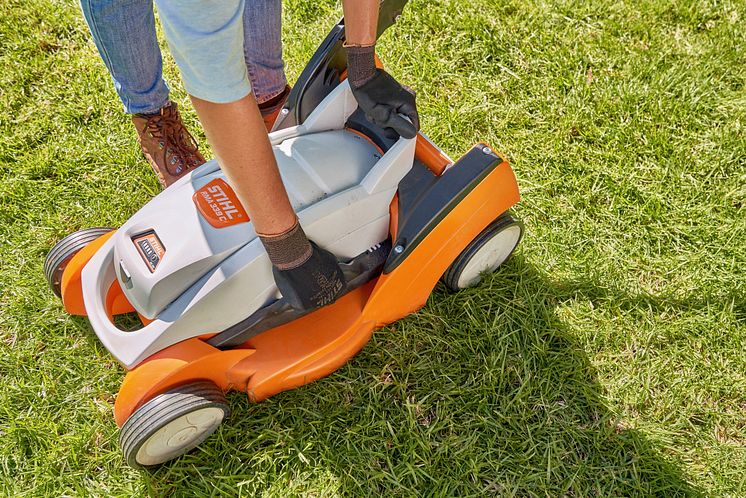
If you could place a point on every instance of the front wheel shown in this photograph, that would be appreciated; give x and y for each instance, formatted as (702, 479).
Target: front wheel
(490, 249)
(172, 424)
(64, 250)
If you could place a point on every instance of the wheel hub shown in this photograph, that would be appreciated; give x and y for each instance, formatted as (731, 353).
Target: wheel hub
(490, 256)
(180, 434)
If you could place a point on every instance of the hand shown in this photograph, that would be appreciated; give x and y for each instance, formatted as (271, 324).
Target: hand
(317, 282)
(385, 101)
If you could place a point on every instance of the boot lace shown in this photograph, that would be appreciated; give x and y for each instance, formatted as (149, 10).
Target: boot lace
(178, 145)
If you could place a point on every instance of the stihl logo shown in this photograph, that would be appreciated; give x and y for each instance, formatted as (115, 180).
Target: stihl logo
(219, 205)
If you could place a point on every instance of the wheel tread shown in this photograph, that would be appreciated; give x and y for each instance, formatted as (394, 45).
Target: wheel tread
(66, 248)
(162, 409)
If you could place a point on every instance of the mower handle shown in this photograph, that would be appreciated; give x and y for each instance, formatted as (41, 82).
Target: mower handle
(97, 277)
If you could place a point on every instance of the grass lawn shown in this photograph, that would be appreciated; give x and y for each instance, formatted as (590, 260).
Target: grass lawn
(607, 358)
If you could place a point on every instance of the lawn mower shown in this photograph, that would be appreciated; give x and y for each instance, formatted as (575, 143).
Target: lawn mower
(399, 214)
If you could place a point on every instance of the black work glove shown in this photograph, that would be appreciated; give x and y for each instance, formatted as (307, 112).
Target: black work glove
(315, 283)
(383, 99)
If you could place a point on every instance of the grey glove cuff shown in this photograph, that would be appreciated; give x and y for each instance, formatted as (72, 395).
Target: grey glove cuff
(361, 65)
(287, 250)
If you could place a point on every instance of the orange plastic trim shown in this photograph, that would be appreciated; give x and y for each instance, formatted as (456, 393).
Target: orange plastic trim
(116, 301)
(181, 363)
(379, 63)
(71, 288)
(434, 158)
(407, 288)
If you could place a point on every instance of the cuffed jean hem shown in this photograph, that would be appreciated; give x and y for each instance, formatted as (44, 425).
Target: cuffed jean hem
(263, 48)
(266, 88)
(144, 105)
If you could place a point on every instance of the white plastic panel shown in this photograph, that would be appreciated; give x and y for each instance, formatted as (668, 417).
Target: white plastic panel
(313, 167)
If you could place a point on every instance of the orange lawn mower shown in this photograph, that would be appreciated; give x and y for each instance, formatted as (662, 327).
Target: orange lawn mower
(398, 213)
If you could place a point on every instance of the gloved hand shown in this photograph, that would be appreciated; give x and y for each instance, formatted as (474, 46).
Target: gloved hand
(380, 96)
(317, 282)
(307, 276)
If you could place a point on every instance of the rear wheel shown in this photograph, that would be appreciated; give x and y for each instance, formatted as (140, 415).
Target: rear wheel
(64, 250)
(172, 424)
(490, 249)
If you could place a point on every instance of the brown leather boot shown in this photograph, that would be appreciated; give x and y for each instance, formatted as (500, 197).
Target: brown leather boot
(167, 145)
(271, 109)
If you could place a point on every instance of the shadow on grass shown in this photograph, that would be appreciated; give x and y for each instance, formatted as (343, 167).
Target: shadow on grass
(484, 392)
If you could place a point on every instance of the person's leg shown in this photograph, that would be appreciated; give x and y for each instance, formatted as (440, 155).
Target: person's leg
(263, 54)
(124, 33)
(263, 48)
(206, 39)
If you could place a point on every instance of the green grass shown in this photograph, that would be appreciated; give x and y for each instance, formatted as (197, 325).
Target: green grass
(608, 358)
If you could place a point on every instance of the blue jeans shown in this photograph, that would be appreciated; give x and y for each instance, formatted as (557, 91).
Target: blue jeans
(124, 33)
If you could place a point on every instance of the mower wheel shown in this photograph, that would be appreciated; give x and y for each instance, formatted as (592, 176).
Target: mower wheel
(172, 424)
(64, 250)
(490, 249)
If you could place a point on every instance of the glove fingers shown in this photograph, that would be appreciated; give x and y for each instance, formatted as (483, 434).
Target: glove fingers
(402, 126)
(390, 133)
(410, 111)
